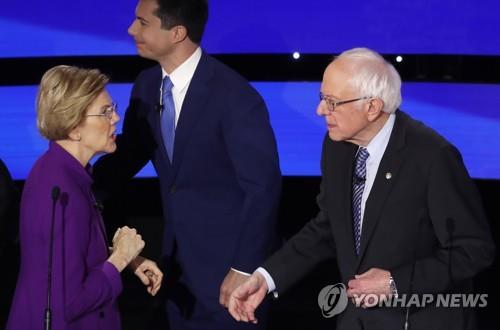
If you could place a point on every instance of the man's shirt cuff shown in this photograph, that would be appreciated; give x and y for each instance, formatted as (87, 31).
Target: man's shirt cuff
(240, 272)
(271, 287)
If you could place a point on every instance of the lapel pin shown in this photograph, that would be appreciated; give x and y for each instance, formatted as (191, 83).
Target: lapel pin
(388, 175)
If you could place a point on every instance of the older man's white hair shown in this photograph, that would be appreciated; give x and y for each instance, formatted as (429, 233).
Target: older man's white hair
(373, 76)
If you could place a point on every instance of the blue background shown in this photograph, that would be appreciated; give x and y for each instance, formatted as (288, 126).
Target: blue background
(92, 27)
(465, 114)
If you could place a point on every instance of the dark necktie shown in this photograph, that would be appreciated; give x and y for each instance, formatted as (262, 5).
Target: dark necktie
(358, 185)
(168, 117)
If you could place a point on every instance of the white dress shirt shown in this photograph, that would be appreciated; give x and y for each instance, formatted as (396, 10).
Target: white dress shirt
(376, 148)
(181, 77)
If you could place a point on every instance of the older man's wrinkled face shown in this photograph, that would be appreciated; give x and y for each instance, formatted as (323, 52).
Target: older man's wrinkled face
(347, 121)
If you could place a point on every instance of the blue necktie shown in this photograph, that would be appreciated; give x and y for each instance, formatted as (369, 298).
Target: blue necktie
(168, 117)
(358, 185)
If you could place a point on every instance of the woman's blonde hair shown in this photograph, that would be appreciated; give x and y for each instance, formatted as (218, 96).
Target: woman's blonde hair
(64, 95)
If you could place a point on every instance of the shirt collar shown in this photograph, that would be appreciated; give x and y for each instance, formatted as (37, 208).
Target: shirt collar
(182, 75)
(378, 144)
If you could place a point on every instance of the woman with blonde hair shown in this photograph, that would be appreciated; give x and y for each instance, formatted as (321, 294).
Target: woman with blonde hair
(60, 224)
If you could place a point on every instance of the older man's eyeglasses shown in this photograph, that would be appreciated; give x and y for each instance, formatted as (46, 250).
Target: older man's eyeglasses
(107, 111)
(332, 104)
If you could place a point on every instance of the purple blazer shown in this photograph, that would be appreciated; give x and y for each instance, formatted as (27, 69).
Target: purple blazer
(84, 285)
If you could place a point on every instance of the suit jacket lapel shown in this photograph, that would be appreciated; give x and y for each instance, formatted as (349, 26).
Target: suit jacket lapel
(385, 179)
(338, 171)
(347, 203)
(192, 108)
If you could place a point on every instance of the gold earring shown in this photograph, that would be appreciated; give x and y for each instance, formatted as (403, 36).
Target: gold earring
(78, 137)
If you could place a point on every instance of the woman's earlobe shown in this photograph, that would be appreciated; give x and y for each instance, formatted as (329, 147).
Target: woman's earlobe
(75, 136)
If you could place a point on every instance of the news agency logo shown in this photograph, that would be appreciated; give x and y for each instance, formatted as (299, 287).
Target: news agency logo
(439, 300)
(332, 300)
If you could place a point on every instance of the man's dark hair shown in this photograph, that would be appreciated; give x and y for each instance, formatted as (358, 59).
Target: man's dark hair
(192, 14)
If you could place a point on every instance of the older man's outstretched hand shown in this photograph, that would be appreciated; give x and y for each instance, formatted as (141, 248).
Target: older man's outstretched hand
(247, 297)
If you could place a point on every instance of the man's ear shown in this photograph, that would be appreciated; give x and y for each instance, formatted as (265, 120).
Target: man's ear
(180, 33)
(375, 107)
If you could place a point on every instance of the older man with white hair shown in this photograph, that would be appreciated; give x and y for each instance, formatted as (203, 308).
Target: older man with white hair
(397, 209)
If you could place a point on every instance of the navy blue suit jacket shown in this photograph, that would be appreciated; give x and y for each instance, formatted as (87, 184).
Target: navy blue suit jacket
(221, 192)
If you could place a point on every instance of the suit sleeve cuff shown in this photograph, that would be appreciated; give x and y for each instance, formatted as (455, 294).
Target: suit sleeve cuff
(114, 279)
(271, 287)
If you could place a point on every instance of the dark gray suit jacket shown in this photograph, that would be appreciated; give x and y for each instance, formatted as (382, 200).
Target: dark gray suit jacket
(427, 216)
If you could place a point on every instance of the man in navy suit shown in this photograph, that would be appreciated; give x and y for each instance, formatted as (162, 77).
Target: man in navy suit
(397, 209)
(208, 135)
